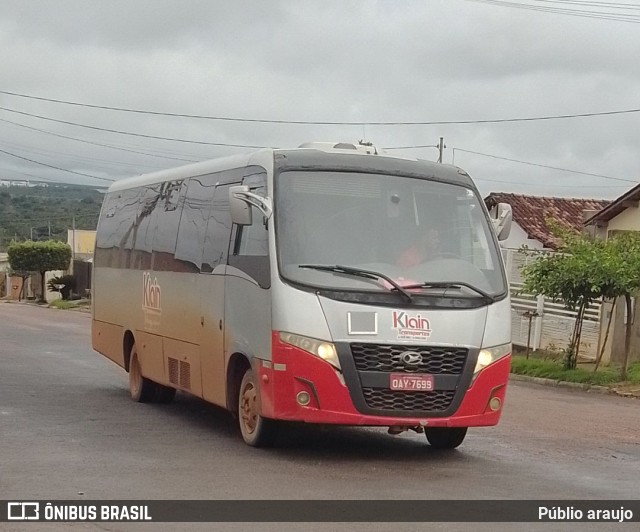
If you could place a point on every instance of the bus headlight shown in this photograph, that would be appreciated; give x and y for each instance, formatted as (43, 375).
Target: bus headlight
(489, 355)
(324, 350)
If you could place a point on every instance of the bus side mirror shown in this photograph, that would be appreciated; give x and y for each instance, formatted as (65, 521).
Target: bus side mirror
(239, 207)
(502, 221)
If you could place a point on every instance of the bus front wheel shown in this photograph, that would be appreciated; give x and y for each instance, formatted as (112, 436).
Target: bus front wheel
(142, 389)
(256, 430)
(445, 437)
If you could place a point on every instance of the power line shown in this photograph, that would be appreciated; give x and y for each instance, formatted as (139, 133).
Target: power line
(134, 134)
(95, 143)
(95, 161)
(601, 15)
(512, 160)
(34, 177)
(56, 167)
(297, 122)
(411, 147)
(545, 185)
(547, 166)
(586, 3)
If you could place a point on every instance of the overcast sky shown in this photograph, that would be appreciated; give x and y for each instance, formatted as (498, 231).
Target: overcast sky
(335, 61)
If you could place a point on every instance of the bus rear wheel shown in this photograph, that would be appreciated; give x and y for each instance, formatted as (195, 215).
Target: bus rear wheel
(142, 389)
(445, 437)
(256, 430)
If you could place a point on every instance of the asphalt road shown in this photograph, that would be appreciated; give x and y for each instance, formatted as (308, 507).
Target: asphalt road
(68, 430)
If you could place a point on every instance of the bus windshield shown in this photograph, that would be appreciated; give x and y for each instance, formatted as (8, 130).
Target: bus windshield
(414, 232)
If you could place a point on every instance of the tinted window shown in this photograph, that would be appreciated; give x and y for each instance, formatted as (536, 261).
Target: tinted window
(171, 201)
(193, 224)
(254, 238)
(145, 226)
(216, 242)
(182, 225)
(114, 240)
(251, 242)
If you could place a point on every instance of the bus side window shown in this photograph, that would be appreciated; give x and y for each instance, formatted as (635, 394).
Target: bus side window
(114, 241)
(168, 221)
(218, 233)
(145, 227)
(193, 224)
(251, 242)
(106, 236)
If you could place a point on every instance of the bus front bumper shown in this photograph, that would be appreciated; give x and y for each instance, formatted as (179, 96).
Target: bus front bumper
(295, 376)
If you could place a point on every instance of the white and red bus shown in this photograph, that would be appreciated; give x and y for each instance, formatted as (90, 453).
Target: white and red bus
(328, 284)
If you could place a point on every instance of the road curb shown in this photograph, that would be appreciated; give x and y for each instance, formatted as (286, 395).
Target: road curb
(585, 387)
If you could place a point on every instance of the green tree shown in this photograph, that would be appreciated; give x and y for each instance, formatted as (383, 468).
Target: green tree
(39, 257)
(68, 282)
(583, 271)
(575, 276)
(623, 262)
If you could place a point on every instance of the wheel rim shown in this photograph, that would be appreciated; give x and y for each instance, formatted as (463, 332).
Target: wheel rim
(249, 408)
(134, 374)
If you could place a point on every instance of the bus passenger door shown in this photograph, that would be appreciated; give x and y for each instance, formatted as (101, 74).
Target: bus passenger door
(212, 294)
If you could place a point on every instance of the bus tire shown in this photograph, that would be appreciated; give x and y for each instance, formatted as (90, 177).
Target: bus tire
(445, 437)
(256, 430)
(142, 389)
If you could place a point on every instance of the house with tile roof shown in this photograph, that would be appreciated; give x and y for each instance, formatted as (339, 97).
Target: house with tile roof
(552, 325)
(622, 214)
(530, 215)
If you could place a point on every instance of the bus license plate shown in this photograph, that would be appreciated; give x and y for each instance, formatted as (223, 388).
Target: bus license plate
(418, 383)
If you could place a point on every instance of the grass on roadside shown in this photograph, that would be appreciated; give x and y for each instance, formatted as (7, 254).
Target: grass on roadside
(633, 373)
(62, 304)
(552, 369)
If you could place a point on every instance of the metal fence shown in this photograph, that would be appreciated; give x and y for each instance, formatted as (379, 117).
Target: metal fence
(539, 322)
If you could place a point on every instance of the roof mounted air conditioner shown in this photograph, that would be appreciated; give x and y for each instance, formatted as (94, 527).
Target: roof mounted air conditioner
(333, 146)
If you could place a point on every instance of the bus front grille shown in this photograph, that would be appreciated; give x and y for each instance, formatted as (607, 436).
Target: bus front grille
(435, 360)
(381, 399)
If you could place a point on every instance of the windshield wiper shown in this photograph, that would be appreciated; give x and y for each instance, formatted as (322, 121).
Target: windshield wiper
(452, 284)
(367, 274)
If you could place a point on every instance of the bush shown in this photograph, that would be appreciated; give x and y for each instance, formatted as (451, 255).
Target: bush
(69, 282)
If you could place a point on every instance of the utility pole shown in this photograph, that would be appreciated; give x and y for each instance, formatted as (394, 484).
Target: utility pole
(441, 147)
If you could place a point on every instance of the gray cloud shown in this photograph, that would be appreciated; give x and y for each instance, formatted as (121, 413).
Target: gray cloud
(330, 60)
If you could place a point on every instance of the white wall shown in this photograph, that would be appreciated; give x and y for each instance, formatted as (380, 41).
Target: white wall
(627, 220)
(518, 238)
(51, 296)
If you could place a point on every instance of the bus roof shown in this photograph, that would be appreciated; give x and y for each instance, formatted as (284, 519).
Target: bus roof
(312, 159)
(350, 161)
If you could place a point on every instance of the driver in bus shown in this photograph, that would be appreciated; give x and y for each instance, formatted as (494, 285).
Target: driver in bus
(427, 247)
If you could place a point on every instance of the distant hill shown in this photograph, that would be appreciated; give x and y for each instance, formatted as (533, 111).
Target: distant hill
(43, 212)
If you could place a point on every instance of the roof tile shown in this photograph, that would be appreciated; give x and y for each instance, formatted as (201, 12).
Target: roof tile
(530, 213)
